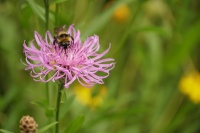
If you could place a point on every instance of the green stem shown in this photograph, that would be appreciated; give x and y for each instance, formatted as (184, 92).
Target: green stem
(46, 3)
(60, 87)
(47, 91)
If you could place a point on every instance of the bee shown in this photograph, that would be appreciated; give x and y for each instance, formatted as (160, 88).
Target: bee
(62, 38)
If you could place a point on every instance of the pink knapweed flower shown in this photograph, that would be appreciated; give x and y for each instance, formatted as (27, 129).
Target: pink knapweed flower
(79, 61)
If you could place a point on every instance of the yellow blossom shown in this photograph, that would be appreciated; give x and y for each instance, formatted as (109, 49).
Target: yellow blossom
(87, 97)
(122, 13)
(190, 86)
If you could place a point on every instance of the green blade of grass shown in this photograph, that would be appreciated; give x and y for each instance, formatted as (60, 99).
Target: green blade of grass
(47, 127)
(75, 124)
(5, 131)
(57, 1)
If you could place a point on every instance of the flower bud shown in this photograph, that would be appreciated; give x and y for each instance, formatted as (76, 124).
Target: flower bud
(28, 125)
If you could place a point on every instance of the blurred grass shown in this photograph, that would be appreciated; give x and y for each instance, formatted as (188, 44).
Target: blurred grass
(153, 48)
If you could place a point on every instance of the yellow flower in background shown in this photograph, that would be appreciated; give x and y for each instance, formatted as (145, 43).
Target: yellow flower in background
(156, 7)
(190, 86)
(92, 97)
(122, 13)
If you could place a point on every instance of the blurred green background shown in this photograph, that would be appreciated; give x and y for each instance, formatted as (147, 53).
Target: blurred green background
(155, 43)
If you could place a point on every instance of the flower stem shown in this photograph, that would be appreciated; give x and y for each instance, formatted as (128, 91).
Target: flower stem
(46, 3)
(60, 87)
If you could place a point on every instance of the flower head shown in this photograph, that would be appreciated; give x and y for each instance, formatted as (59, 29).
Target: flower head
(79, 61)
(190, 86)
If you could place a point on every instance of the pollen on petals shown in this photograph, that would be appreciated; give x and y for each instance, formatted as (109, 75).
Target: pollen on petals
(80, 61)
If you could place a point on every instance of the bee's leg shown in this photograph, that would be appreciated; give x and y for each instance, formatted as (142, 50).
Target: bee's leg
(65, 48)
(54, 41)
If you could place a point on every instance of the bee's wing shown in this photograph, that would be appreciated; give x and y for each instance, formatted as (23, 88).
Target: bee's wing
(59, 29)
(63, 26)
(56, 29)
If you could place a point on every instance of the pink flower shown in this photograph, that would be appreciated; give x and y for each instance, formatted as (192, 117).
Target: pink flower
(80, 60)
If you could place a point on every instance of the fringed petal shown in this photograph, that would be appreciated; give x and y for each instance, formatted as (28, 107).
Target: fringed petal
(102, 54)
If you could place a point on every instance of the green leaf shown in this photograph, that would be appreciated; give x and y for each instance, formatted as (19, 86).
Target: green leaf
(47, 127)
(102, 19)
(5, 131)
(66, 105)
(57, 1)
(43, 104)
(37, 9)
(75, 124)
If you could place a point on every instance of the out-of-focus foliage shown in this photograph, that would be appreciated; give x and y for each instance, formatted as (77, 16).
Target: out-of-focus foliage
(154, 42)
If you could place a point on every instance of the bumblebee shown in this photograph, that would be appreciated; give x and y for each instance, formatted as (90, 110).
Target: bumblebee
(62, 38)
